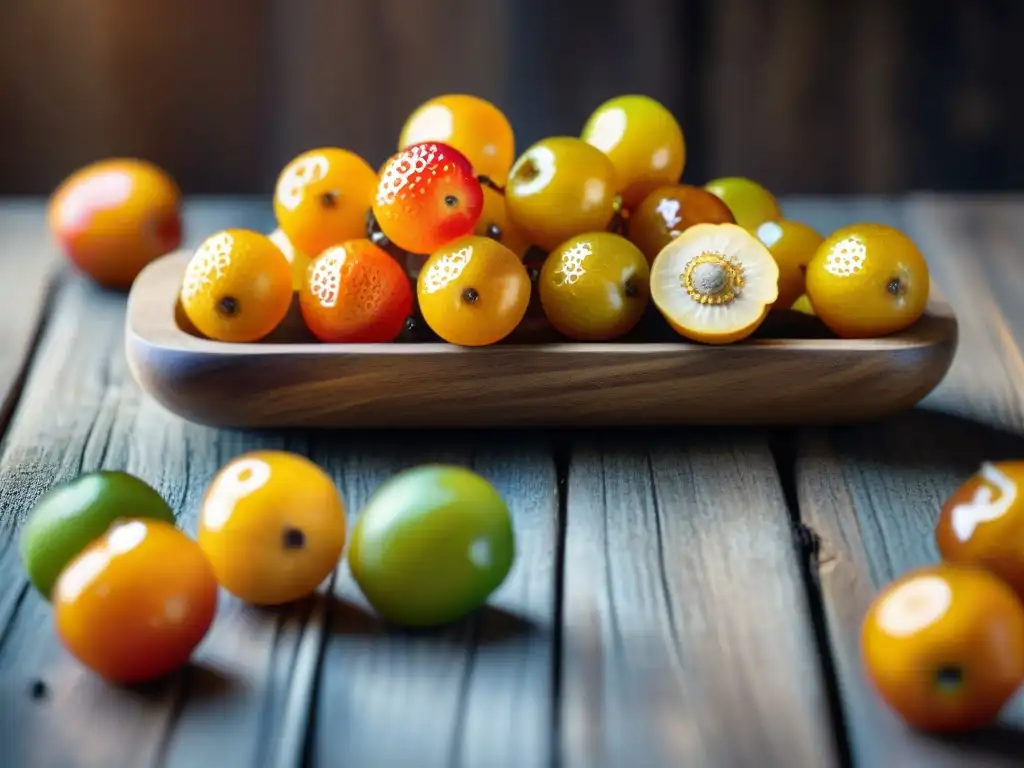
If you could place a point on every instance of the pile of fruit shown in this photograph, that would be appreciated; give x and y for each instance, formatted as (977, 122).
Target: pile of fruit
(133, 596)
(944, 644)
(455, 238)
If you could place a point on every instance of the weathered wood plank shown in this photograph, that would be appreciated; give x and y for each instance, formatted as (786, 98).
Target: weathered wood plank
(871, 494)
(478, 693)
(482, 686)
(27, 263)
(686, 635)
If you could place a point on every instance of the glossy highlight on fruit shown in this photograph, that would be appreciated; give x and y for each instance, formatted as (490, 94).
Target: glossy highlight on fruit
(356, 293)
(136, 602)
(298, 259)
(642, 139)
(321, 198)
(559, 188)
(714, 283)
(473, 291)
(793, 245)
(237, 286)
(273, 527)
(431, 545)
(750, 203)
(982, 523)
(111, 218)
(495, 222)
(594, 287)
(868, 280)
(469, 124)
(944, 647)
(668, 211)
(428, 195)
(70, 516)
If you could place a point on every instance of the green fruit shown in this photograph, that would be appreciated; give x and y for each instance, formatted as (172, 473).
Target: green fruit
(431, 545)
(69, 517)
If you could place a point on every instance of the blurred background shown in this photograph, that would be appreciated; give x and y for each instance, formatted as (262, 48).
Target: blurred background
(807, 96)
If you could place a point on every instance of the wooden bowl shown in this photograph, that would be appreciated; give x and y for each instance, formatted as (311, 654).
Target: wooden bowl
(653, 378)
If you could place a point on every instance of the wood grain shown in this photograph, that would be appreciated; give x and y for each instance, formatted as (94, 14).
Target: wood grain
(871, 494)
(686, 638)
(27, 264)
(802, 380)
(478, 693)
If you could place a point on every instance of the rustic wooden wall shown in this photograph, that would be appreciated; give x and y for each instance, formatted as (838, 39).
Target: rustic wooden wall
(807, 95)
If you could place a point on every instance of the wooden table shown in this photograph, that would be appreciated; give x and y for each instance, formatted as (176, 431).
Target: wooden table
(681, 598)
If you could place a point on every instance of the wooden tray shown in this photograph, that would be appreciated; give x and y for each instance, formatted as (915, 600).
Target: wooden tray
(654, 379)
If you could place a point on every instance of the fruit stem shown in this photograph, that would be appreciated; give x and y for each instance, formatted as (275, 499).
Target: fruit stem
(487, 181)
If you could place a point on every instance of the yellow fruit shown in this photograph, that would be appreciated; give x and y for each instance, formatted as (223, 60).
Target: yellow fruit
(298, 259)
(714, 283)
(803, 305)
(792, 244)
(868, 280)
(750, 203)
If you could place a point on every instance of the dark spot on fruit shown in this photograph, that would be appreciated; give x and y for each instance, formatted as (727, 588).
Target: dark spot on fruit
(293, 538)
(494, 231)
(631, 289)
(38, 690)
(803, 269)
(895, 287)
(411, 324)
(487, 181)
(451, 201)
(470, 296)
(528, 171)
(949, 678)
(228, 306)
(329, 199)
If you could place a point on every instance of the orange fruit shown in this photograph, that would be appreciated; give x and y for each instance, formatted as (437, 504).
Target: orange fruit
(237, 286)
(322, 198)
(868, 280)
(134, 604)
(495, 222)
(298, 259)
(356, 293)
(793, 245)
(469, 124)
(113, 217)
(944, 647)
(714, 283)
(982, 523)
(473, 291)
(273, 527)
(668, 211)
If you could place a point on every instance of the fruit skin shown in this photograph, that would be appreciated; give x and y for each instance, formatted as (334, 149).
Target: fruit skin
(750, 203)
(68, 517)
(427, 196)
(559, 188)
(356, 293)
(431, 545)
(982, 523)
(793, 245)
(494, 213)
(473, 126)
(473, 291)
(298, 259)
(113, 217)
(642, 139)
(670, 210)
(803, 305)
(322, 196)
(595, 287)
(676, 258)
(868, 280)
(237, 286)
(136, 602)
(963, 620)
(273, 527)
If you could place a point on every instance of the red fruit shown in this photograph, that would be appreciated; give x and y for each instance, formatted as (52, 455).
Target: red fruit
(356, 293)
(427, 196)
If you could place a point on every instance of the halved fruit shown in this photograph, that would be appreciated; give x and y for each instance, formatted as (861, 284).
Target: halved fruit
(714, 283)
